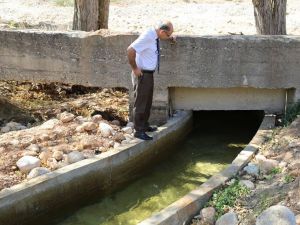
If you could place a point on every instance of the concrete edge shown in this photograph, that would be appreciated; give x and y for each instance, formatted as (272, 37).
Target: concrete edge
(181, 211)
(110, 169)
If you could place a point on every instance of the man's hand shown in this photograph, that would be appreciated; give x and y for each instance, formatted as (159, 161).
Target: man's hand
(173, 40)
(137, 72)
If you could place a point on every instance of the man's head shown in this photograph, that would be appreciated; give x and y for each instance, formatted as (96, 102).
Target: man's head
(164, 30)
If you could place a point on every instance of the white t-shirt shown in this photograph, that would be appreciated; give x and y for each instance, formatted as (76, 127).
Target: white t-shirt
(146, 50)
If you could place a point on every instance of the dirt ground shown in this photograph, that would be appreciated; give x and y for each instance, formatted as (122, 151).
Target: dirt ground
(197, 17)
(33, 104)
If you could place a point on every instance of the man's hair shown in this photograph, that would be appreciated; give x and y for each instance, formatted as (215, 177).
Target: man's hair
(163, 26)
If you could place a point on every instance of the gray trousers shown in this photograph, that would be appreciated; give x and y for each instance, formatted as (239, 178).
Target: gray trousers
(143, 95)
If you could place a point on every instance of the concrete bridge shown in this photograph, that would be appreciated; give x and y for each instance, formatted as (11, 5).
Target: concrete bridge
(198, 73)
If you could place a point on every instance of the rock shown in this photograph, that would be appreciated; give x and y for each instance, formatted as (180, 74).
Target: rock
(89, 126)
(33, 147)
(288, 156)
(228, 219)
(130, 124)
(128, 137)
(52, 163)
(276, 215)
(15, 126)
(117, 144)
(260, 158)
(50, 124)
(58, 155)
(125, 142)
(267, 165)
(66, 117)
(14, 142)
(79, 103)
(119, 137)
(294, 144)
(38, 171)
(107, 143)
(105, 129)
(74, 157)
(27, 163)
(27, 140)
(96, 118)
(44, 156)
(294, 165)
(115, 122)
(30, 153)
(80, 119)
(208, 215)
(247, 183)
(282, 164)
(252, 169)
(5, 129)
(295, 173)
(88, 154)
(44, 137)
(80, 129)
(90, 142)
(127, 130)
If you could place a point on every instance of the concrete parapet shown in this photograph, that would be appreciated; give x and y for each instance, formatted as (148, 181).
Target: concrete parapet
(199, 62)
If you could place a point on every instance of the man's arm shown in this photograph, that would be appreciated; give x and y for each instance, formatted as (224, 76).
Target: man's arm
(131, 54)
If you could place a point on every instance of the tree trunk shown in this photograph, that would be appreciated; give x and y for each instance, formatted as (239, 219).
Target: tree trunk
(270, 16)
(103, 13)
(90, 14)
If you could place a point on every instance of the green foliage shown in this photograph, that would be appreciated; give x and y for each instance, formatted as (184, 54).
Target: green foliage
(291, 113)
(226, 198)
(264, 203)
(275, 171)
(64, 3)
(272, 173)
(288, 179)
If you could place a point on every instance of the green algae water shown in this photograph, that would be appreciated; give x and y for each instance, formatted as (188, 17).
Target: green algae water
(213, 144)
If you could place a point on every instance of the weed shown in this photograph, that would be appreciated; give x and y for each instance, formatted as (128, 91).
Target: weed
(267, 199)
(288, 179)
(275, 171)
(226, 198)
(291, 113)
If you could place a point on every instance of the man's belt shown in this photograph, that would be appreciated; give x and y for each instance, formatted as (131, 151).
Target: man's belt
(148, 71)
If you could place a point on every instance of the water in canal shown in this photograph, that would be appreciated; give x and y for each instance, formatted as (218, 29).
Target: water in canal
(215, 141)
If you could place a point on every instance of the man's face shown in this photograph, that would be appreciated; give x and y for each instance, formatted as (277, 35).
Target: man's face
(165, 35)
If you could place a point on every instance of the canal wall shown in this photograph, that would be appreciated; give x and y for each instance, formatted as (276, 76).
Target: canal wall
(50, 194)
(198, 73)
(183, 210)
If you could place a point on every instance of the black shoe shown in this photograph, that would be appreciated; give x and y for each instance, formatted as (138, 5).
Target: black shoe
(151, 129)
(143, 136)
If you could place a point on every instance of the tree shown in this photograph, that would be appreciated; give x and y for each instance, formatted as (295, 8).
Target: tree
(270, 16)
(90, 14)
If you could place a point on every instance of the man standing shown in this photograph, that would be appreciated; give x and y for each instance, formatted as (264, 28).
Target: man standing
(143, 55)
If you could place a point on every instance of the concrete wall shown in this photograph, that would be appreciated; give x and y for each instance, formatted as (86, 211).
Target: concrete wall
(264, 62)
(270, 100)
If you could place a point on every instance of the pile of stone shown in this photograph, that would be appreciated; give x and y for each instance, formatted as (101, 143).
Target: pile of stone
(275, 215)
(62, 141)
